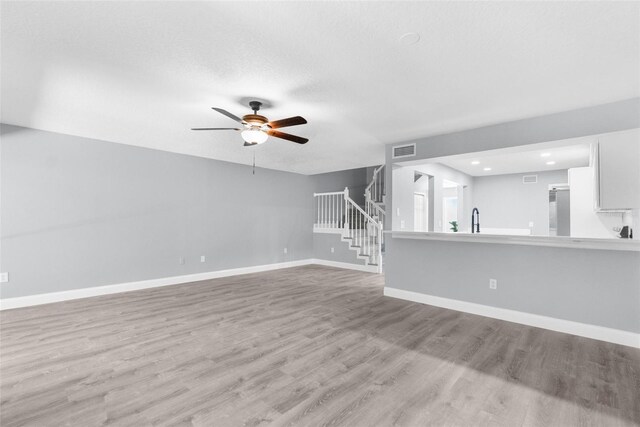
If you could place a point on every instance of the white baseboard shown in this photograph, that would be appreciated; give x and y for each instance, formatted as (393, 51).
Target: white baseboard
(30, 300)
(359, 267)
(8, 303)
(601, 333)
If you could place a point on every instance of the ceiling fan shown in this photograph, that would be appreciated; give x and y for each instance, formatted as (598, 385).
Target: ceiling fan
(256, 128)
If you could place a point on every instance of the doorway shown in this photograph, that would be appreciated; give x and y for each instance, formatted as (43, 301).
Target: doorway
(420, 212)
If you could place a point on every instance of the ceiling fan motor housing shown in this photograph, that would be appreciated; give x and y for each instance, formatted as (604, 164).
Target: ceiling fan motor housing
(255, 120)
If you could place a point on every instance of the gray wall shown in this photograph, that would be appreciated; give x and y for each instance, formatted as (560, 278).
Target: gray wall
(505, 202)
(581, 285)
(81, 213)
(322, 244)
(590, 286)
(354, 179)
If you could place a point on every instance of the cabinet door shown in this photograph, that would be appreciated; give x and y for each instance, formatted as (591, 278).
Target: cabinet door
(619, 170)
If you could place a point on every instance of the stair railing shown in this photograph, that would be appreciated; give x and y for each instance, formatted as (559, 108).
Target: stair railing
(364, 231)
(374, 195)
(330, 210)
(337, 212)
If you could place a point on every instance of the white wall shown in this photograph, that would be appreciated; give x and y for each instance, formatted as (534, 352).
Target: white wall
(505, 202)
(404, 188)
(585, 221)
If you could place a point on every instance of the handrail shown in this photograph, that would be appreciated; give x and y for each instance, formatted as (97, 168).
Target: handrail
(366, 215)
(373, 178)
(328, 194)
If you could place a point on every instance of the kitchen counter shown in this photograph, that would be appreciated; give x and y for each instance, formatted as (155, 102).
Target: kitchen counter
(558, 242)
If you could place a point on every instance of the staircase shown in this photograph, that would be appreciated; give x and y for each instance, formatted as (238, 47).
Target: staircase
(360, 227)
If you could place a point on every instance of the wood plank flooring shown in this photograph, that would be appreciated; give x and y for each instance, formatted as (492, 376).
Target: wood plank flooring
(304, 346)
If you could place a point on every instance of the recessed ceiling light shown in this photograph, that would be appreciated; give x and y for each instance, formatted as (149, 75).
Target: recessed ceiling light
(409, 39)
(475, 162)
(487, 169)
(545, 154)
(551, 162)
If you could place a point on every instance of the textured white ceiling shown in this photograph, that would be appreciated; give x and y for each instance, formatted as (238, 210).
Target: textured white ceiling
(143, 73)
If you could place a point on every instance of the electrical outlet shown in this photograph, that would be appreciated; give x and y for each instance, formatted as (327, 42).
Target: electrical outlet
(285, 250)
(402, 224)
(530, 224)
(203, 258)
(4, 277)
(181, 260)
(397, 211)
(332, 250)
(493, 284)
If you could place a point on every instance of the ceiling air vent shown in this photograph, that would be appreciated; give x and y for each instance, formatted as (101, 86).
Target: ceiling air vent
(404, 151)
(530, 179)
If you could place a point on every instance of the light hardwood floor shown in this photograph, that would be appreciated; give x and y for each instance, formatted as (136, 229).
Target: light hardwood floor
(302, 346)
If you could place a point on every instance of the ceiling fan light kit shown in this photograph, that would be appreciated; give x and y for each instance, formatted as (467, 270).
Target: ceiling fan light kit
(257, 128)
(254, 136)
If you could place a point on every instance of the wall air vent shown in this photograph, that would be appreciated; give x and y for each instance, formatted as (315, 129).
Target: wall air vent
(404, 151)
(530, 179)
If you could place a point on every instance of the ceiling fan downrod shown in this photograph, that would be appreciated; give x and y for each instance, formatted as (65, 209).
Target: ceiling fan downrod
(255, 106)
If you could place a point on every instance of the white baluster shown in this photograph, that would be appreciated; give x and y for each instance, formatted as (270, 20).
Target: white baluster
(333, 201)
(359, 232)
(375, 187)
(366, 236)
(339, 210)
(335, 211)
(332, 216)
(326, 211)
(335, 214)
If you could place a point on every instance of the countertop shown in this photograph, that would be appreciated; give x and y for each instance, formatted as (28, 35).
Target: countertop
(553, 241)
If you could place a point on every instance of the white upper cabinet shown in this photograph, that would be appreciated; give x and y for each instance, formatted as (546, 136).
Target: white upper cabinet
(618, 170)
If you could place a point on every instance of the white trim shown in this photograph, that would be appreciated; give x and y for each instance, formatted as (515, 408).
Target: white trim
(30, 300)
(359, 267)
(9, 303)
(327, 230)
(601, 333)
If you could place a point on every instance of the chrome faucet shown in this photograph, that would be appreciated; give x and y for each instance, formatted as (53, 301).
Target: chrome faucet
(475, 220)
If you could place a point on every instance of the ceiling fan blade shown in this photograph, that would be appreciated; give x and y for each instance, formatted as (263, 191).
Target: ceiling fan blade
(215, 129)
(291, 121)
(228, 114)
(278, 134)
